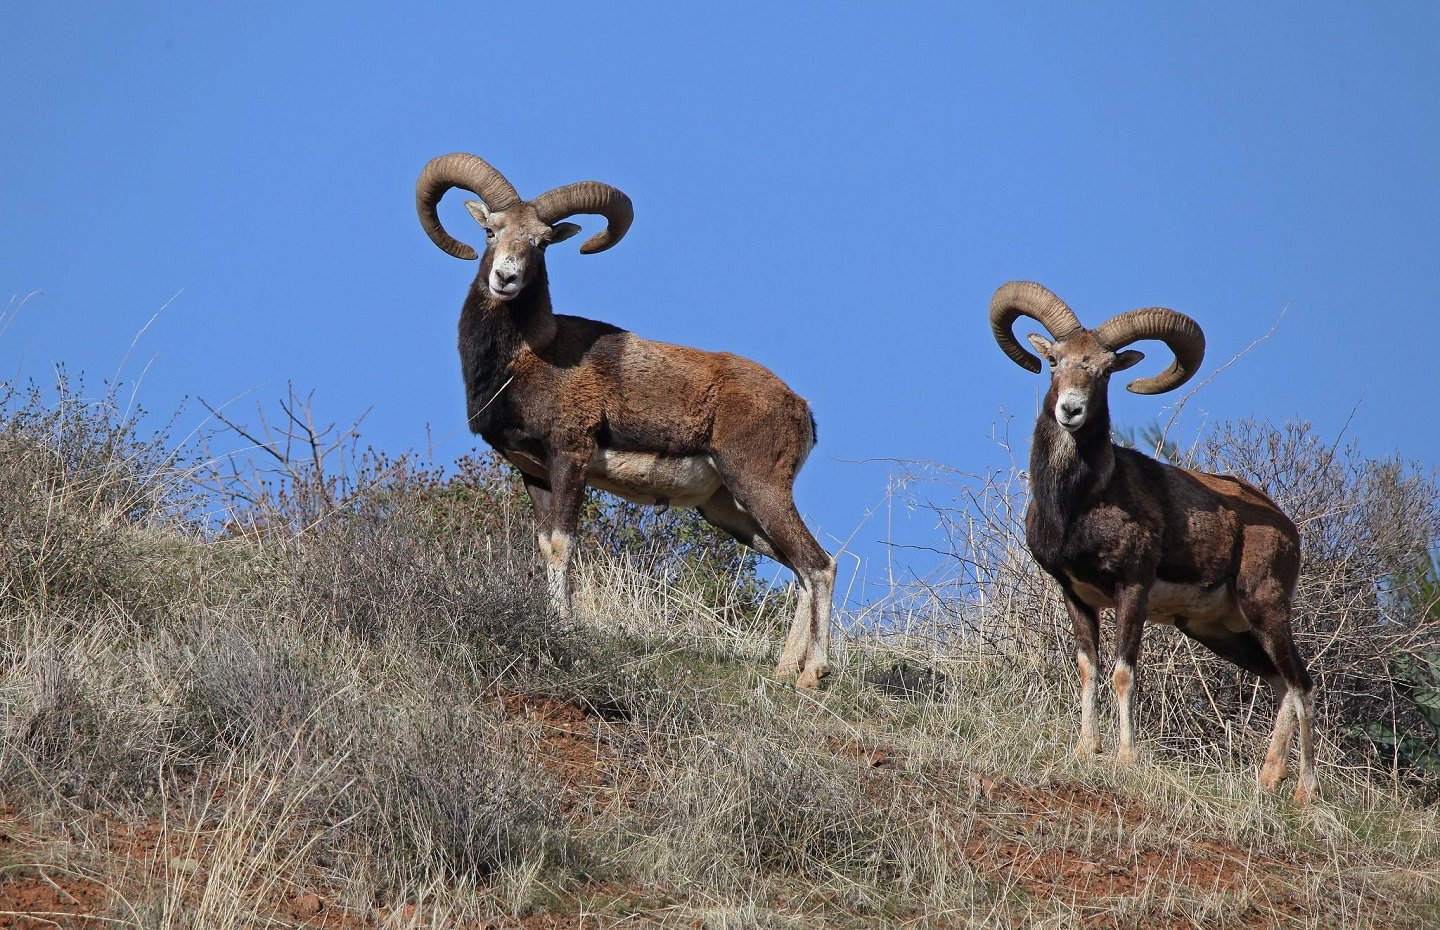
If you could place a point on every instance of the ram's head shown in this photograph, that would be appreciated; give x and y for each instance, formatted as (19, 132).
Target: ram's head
(516, 231)
(1082, 360)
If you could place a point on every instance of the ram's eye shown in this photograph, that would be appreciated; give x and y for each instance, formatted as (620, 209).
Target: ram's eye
(489, 234)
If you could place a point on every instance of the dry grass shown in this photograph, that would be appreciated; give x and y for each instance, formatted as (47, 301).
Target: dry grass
(358, 712)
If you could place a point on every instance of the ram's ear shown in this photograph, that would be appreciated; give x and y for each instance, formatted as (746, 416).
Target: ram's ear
(479, 211)
(1127, 359)
(562, 231)
(1041, 344)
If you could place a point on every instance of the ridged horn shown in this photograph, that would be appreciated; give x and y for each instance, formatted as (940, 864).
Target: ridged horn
(588, 197)
(1182, 334)
(1026, 298)
(466, 172)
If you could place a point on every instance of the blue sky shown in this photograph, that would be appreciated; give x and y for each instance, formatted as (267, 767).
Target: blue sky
(834, 190)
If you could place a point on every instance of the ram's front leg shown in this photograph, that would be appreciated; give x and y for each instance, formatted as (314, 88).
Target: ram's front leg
(558, 524)
(1086, 624)
(1130, 603)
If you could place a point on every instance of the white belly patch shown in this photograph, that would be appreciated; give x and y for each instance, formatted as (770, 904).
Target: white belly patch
(641, 477)
(1200, 608)
(647, 478)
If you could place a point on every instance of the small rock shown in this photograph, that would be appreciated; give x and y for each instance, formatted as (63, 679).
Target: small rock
(184, 865)
(307, 905)
(905, 681)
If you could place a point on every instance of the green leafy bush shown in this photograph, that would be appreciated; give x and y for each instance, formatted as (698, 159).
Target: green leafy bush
(1417, 681)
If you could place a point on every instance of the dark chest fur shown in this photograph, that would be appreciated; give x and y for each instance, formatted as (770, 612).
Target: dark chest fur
(1105, 515)
(492, 334)
(1072, 527)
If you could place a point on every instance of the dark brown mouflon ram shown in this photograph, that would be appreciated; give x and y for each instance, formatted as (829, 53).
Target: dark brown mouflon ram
(1209, 554)
(573, 402)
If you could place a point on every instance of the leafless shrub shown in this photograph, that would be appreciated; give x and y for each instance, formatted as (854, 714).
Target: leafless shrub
(986, 595)
(291, 473)
(90, 506)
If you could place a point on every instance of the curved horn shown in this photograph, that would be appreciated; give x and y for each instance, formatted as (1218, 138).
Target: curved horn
(588, 197)
(467, 173)
(1026, 298)
(1182, 334)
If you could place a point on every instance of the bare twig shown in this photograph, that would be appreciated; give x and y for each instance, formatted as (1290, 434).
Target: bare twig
(1180, 404)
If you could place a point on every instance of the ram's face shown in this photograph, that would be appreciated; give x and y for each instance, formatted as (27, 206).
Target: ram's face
(1080, 369)
(515, 242)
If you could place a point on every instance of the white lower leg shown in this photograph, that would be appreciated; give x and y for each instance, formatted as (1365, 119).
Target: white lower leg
(1089, 743)
(792, 657)
(1307, 786)
(817, 656)
(1273, 771)
(555, 548)
(1124, 682)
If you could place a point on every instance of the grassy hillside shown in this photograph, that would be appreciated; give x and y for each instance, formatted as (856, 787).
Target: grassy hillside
(332, 695)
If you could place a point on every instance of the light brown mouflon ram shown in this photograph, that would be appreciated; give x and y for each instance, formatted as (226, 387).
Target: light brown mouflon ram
(573, 402)
(1209, 554)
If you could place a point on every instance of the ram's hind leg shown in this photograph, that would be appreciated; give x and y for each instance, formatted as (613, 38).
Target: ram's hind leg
(1270, 621)
(1244, 649)
(818, 596)
(721, 510)
(772, 526)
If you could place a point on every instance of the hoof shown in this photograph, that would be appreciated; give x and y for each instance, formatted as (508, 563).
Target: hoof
(811, 676)
(1127, 755)
(1307, 792)
(1271, 775)
(787, 670)
(1087, 749)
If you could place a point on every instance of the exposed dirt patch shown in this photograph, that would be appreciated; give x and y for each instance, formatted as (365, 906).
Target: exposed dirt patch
(1070, 800)
(1069, 842)
(1063, 872)
(574, 746)
(36, 894)
(33, 898)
